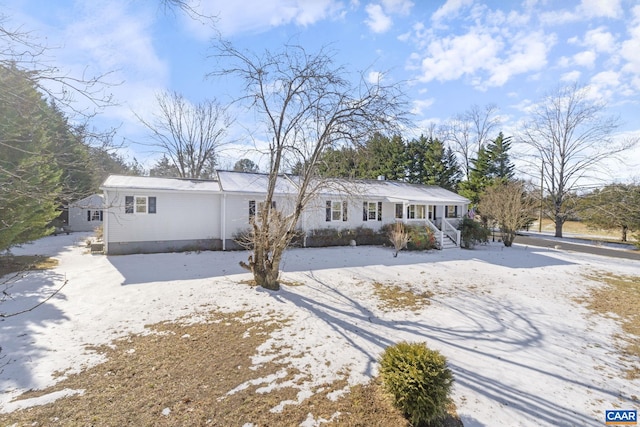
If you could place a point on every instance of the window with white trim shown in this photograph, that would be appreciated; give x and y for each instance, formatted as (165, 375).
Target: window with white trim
(451, 211)
(140, 204)
(372, 211)
(416, 211)
(399, 210)
(336, 210)
(94, 215)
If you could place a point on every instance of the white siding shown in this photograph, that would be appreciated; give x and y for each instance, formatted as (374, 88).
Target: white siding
(78, 220)
(180, 216)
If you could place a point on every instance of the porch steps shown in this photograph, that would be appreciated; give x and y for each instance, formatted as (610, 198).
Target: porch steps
(447, 243)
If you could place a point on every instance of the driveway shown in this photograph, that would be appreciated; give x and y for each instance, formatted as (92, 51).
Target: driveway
(587, 247)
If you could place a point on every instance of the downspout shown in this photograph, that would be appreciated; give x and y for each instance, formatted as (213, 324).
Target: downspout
(105, 221)
(223, 221)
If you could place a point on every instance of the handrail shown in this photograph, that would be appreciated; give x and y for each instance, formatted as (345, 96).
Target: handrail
(451, 231)
(436, 231)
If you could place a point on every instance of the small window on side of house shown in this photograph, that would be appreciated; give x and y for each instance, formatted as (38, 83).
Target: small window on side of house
(128, 204)
(451, 211)
(399, 209)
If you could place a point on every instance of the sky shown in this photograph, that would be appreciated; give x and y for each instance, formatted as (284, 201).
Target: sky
(446, 55)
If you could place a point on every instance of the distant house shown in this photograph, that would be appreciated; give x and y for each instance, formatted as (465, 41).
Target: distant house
(86, 214)
(148, 214)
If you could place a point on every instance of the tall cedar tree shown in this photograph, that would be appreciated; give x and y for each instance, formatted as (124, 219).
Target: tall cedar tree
(430, 163)
(493, 165)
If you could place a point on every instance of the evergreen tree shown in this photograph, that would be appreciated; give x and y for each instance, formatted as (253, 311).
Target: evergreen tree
(30, 178)
(492, 166)
(382, 156)
(164, 168)
(429, 162)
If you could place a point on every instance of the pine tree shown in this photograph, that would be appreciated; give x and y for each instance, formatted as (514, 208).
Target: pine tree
(30, 178)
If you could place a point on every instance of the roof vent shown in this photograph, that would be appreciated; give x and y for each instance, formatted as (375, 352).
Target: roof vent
(380, 177)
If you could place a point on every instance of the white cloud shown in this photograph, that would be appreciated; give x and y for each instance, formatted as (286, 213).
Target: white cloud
(630, 47)
(450, 9)
(419, 105)
(571, 76)
(402, 7)
(587, 9)
(377, 20)
(585, 58)
(374, 77)
(450, 58)
(600, 8)
(527, 53)
(600, 40)
(257, 16)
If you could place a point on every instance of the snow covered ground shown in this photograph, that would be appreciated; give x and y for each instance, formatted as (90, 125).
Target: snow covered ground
(523, 351)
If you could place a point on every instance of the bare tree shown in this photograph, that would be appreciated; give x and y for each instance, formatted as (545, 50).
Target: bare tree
(510, 206)
(469, 131)
(307, 104)
(570, 136)
(189, 135)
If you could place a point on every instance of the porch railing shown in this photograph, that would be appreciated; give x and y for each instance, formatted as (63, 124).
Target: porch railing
(450, 231)
(436, 232)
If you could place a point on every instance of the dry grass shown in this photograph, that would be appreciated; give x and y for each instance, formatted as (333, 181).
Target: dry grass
(14, 264)
(190, 369)
(582, 229)
(395, 297)
(621, 297)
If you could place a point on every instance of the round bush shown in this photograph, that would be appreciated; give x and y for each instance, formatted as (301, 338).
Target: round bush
(418, 380)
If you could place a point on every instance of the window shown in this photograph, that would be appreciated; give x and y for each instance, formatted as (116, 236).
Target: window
(336, 211)
(451, 211)
(416, 211)
(94, 215)
(128, 204)
(252, 207)
(372, 211)
(139, 204)
(399, 209)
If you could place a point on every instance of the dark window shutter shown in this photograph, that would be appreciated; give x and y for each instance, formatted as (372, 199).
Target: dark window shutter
(273, 204)
(379, 211)
(100, 215)
(128, 204)
(152, 205)
(328, 210)
(344, 210)
(365, 213)
(252, 208)
(88, 215)
(456, 212)
(446, 211)
(399, 213)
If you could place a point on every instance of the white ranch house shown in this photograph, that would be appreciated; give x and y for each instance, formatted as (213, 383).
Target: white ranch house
(149, 214)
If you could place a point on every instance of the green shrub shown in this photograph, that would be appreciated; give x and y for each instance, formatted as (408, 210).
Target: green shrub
(418, 380)
(421, 238)
(472, 232)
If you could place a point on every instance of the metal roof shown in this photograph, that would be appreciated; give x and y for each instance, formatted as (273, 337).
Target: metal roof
(256, 183)
(156, 183)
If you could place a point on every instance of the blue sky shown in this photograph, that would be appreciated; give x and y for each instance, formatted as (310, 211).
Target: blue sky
(448, 55)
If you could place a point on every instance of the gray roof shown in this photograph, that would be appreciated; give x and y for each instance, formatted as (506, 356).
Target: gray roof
(256, 183)
(392, 191)
(155, 183)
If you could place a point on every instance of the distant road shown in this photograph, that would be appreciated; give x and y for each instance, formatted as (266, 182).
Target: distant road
(590, 249)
